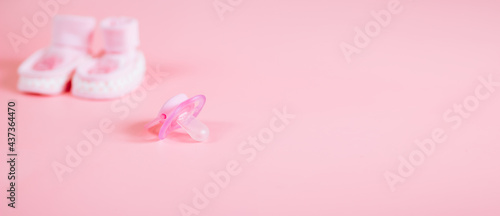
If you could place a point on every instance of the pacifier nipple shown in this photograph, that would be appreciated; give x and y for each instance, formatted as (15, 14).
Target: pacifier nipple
(194, 127)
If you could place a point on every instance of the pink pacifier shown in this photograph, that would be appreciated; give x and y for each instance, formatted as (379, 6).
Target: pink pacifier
(180, 112)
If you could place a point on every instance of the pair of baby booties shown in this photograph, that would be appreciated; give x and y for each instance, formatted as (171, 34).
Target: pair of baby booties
(118, 71)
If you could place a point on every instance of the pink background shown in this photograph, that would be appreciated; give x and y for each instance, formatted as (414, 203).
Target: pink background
(353, 121)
